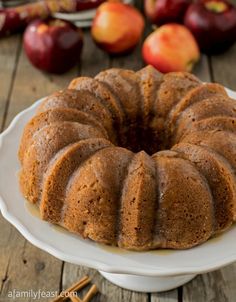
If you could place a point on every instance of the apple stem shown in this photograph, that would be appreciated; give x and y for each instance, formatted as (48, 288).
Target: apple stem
(190, 65)
(216, 6)
(154, 27)
(57, 22)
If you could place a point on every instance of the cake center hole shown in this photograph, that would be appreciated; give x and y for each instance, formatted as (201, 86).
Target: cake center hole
(150, 139)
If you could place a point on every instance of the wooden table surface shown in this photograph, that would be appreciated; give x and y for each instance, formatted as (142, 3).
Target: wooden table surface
(25, 267)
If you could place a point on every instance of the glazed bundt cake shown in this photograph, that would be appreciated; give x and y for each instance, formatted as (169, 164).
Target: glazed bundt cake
(139, 160)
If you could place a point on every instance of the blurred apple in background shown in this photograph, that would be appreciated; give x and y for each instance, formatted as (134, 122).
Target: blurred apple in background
(165, 11)
(171, 47)
(53, 45)
(213, 23)
(117, 27)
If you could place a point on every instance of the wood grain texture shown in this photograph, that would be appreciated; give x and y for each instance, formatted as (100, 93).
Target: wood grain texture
(9, 53)
(28, 268)
(170, 296)
(215, 286)
(9, 49)
(131, 61)
(107, 291)
(202, 70)
(93, 59)
(223, 68)
(32, 84)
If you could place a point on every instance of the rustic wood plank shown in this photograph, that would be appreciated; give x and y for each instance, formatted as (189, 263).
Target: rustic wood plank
(8, 58)
(223, 68)
(28, 268)
(23, 266)
(32, 84)
(131, 61)
(9, 52)
(93, 59)
(202, 69)
(215, 286)
(170, 296)
(107, 291)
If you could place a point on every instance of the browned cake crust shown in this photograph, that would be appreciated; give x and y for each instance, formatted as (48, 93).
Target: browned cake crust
(103, 92)
(173, 88)
(92, 202)
(201, 92)
(214, 106)
(138, 204)
(185, 203)
(220, 178)
(223, 142)
(84, 101)
(44, 146)
(51, 116)
(92, 159)
(124, 84)
(59, 172)
(213, 123)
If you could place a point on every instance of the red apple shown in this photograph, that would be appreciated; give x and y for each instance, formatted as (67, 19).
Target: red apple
(213, 23)
(15, 18)
(171, 47)
(53, 45)
(166, 11)
(117, 27)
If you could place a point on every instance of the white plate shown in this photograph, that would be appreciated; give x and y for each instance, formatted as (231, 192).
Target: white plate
(79, 16)
(211, 255)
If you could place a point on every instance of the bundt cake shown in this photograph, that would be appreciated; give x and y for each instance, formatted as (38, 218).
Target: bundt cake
(139, 160)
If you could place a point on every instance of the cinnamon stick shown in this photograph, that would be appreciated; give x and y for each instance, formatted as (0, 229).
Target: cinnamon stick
(92, 292)
(75, 287)
(75, 299)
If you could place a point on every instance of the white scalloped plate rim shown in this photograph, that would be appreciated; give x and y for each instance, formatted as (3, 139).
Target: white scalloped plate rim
(173, 263)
